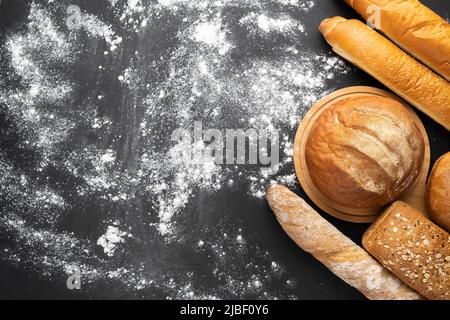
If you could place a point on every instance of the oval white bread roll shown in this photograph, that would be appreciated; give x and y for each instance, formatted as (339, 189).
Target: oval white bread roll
(373, 53)
(338, 253)
(413, 27)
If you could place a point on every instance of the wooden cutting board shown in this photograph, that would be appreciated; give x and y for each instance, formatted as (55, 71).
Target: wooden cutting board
(415, 198)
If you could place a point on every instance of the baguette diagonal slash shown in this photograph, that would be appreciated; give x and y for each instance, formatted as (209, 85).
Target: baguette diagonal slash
(412, 26)
(379, 57)
(338, 253)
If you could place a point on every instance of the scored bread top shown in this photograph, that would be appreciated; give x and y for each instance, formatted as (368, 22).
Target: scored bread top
(364, 152)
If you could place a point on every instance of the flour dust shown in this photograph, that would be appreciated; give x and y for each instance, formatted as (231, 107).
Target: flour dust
(89, 175)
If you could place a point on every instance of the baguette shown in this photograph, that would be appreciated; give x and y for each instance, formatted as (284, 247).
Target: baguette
(413, 248)
(379, 57)
(341, 255)
(413, 27)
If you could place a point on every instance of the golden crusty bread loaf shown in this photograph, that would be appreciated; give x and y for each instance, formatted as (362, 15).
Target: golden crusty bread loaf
(379, 57)
(413, 27)
(415, 249)
(338, 253)
(438, 192)
(365, 152)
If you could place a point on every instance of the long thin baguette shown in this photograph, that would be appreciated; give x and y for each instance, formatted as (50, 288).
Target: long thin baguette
(341, 255)
(413, 27)
(379, 57)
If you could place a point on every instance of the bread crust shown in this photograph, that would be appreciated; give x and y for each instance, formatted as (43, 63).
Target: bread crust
(438, 192)
(382, 59)
(365, 152)
(413, 248)
(338, 253)
(413, 27)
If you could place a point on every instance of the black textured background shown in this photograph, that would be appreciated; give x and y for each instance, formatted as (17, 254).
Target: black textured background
(314, 280)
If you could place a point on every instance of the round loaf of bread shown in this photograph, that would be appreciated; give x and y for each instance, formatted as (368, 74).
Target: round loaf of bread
(438, 192)
(365, 152)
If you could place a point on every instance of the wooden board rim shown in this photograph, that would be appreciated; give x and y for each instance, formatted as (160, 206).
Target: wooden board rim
(416, 196)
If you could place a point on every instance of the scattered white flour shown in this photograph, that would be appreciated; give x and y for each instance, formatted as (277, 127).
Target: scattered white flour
(303, 4)
(133, 15)
(96, 28)
(188, 173)
(269, 24)
(134, 4)
(111, 239)
(92, 154)
(176, 5)
(281, 25)
(211, 33)
(33, 57)
(42, 38)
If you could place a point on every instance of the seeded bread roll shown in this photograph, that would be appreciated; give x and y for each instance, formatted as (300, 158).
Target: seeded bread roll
(413, 248)
(373, 53)
(365, 152)
(341, 255)
(438, 192)
(413, 27)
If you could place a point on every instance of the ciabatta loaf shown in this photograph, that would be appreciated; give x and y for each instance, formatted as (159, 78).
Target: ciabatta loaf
(413, 248)
(382, 59)
(413, 27)
(341, 255)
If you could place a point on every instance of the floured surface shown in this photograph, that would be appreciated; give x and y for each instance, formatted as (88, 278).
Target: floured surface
(89, 174)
